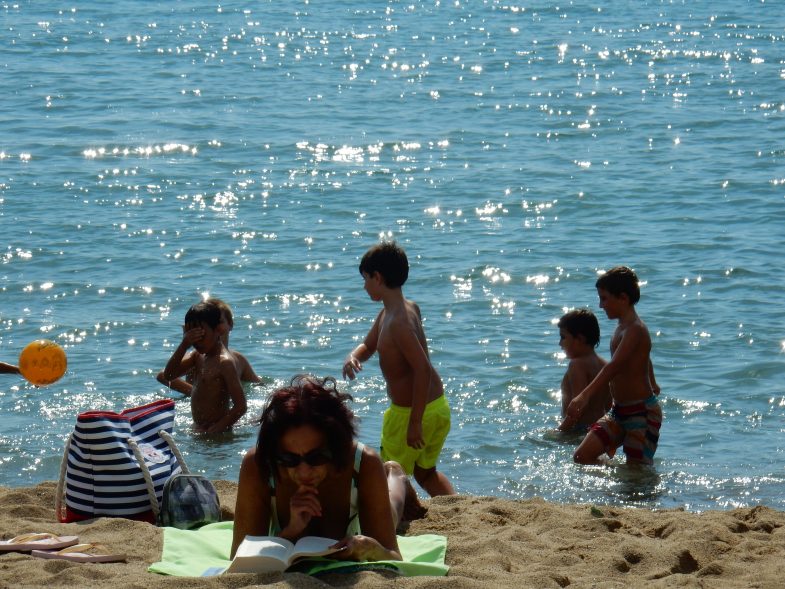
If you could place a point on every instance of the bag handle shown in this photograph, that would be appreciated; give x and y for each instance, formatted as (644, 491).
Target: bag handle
(60, 492)
(148, 480)
(175, 450)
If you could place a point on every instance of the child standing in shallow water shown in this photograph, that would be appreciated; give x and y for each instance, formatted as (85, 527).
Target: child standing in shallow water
(217, 397)
(579, 335)
(635, 418)
(416, 424)
(184, 385)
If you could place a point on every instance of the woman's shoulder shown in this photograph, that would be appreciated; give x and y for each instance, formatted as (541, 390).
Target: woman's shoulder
(251, 465)
(366, 450)
(370, 459)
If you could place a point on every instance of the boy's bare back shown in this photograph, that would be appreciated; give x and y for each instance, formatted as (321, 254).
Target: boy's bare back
(631, 348)
(403, 353)
(580, 372)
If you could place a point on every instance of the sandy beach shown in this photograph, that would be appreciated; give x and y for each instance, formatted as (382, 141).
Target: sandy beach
(490, 543)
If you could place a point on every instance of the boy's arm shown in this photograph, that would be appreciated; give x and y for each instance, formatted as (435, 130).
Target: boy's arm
(408, 343)
(247, 373)
(235, 389)
(624, 352)
(180, 363)
(8, 368)
(354, 361)
(575, 380)
(178, 384)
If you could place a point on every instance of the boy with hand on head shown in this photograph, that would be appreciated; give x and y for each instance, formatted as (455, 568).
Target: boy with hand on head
(579, 334)
(635, 418)
(246, 373)
(416, 424)
(217, 397)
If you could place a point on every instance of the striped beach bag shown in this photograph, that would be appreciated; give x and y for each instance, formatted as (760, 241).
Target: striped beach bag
(105, 459)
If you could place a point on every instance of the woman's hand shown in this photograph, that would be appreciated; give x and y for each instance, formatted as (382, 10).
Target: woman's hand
(362, 548)
(303, 505)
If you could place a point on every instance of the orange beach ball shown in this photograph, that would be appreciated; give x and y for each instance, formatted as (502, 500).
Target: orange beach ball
(42, 362)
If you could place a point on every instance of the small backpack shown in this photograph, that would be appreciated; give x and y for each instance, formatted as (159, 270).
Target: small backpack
(189, 502)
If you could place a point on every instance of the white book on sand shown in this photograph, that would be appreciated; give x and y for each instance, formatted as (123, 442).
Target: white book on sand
(262, 554)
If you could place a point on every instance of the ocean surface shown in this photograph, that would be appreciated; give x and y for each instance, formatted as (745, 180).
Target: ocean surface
(154, 153)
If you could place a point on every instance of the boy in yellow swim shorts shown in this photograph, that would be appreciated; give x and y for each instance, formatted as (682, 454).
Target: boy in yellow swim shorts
(416, 424)
(435, 427)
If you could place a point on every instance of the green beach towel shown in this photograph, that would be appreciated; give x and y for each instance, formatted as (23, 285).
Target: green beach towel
(192, 553)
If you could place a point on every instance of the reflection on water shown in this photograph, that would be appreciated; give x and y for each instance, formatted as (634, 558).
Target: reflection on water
(514, 151)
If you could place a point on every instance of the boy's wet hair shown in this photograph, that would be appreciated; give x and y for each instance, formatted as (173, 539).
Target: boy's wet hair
(206, 312)
(225, 309)
(620, 280)
(388, 259)
(307, 401)
(582, 322)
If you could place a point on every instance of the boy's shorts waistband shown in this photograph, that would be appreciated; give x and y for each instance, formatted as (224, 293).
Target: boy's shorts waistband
(647, 401)
(441, 400)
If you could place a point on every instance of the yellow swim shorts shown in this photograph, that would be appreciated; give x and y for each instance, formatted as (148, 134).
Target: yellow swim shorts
(435, 427)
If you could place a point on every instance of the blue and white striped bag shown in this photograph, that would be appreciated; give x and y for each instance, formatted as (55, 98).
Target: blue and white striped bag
(100, 475)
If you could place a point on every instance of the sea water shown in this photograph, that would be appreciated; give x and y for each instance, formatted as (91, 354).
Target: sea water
(152, 154)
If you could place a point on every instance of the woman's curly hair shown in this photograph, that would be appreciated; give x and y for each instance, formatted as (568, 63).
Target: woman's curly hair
(311, 401)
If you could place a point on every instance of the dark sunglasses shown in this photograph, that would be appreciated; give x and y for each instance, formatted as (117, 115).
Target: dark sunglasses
(318, 457)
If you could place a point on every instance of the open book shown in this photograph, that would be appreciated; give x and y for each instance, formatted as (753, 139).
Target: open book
(262, 554)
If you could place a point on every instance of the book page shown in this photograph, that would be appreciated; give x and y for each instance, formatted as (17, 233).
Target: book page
(261, 553)
(256, 564)
(271, 546)
(312, 546)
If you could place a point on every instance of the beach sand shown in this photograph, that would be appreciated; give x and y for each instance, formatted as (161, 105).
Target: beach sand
(491, 542)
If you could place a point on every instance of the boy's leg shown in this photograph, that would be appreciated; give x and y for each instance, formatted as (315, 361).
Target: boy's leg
(589, 449)
(433, 481)
(435, 426)
(605, 435)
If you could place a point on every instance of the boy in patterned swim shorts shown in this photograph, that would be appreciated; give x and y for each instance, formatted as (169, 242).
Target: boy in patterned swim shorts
(416, 424)
(635, 418)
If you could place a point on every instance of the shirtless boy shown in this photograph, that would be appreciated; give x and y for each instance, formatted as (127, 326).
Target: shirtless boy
(184, 385)
(217, 397)
(416, 424)
(635, 418)
(579, 334)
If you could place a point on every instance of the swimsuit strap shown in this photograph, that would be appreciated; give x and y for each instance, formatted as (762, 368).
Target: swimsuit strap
(275, 526)
(353, 528)
(358, 458)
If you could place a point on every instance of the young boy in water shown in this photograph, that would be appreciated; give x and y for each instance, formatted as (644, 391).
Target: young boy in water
(634, 420)
(579, 335)
(416, 424)
(246, 372)
(217, 397)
